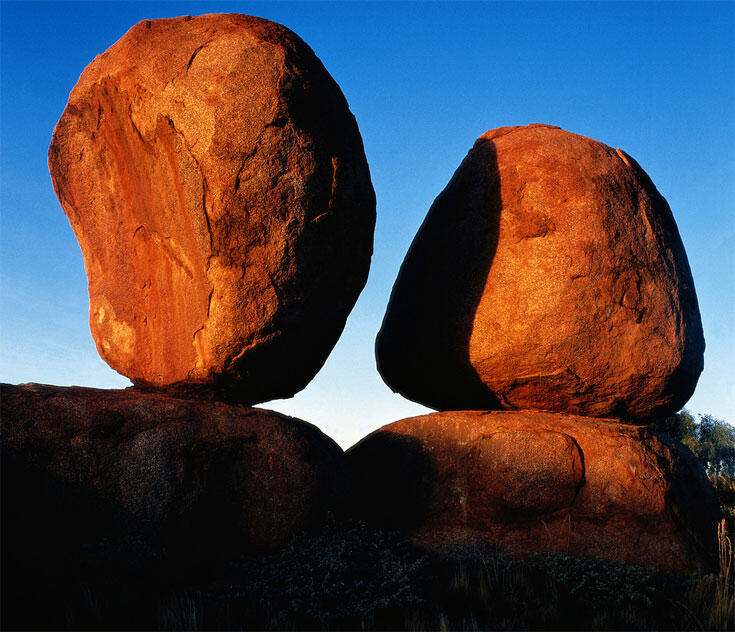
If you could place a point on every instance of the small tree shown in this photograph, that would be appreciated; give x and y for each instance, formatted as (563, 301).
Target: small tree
(716, 445)
(680, 426)
(710, 439)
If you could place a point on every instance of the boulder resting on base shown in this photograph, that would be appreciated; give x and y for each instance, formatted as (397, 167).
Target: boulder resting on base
(548, 275)
(217, 184)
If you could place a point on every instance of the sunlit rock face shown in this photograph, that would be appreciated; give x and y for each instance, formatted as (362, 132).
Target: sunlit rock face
(217, 184)
(549, 274)
(196, 479)
(531, 481)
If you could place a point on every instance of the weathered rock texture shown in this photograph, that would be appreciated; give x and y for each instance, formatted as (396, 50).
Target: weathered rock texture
(530, 482)
(82, 465)
(217, 184)
(549, 274)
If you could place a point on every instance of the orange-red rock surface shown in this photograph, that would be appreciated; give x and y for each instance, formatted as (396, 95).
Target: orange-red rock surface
(549, 274)
(83, 465)
(528, 481)
(217, 184)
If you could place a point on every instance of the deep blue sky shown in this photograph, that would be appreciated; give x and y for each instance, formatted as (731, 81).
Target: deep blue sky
(423, 80)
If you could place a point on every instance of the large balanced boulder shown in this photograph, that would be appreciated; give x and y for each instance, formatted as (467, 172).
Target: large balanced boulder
(217, 184)
(196, 479)
(529, 482)
(549, 274)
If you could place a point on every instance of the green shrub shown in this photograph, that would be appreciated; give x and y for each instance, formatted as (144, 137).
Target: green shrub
(711, 440)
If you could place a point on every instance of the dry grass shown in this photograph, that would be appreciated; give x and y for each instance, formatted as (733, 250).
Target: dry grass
(710, 600)
(722, 612)
(725, 591)
(179, 612)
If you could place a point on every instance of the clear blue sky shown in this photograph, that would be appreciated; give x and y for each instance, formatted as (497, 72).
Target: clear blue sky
(423, 80)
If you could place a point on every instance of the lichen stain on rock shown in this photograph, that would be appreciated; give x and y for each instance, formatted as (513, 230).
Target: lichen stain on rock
(117, 339)
(546, 480)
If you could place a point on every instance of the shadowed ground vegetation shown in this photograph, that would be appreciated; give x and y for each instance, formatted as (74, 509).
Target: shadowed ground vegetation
(364, 579)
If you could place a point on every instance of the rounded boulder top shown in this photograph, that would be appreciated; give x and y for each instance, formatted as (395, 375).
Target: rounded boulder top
(550, 275)
(217, 184)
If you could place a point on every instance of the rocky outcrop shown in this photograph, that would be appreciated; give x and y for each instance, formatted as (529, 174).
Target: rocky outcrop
(549, 274)
(196, 479)
(217, 184)
(531, 481)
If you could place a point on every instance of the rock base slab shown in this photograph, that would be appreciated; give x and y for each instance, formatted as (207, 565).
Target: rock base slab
(82, 465)
(530, 481)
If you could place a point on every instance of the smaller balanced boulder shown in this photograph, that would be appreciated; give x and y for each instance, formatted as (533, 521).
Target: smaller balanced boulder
(529, 482)
(549, 274)
(196, 479)
(217, 183)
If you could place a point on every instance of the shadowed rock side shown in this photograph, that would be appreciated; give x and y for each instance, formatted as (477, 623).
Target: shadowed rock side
(217, 184)
(530, 482)
(422, 346)
(549, 274)
(196, 479)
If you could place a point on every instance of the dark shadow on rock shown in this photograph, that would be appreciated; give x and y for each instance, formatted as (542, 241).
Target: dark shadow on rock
(136, 490)
(422, 349)
(683, 380)
(691, 498)
(60, 536)
(392, 481)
